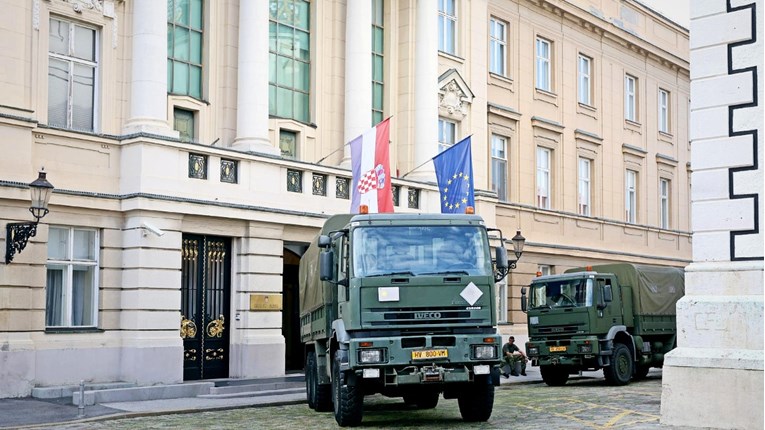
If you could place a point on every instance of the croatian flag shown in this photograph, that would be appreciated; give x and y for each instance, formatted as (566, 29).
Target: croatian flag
(370, 159)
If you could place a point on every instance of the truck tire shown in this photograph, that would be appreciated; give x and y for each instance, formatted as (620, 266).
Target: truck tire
(477, 401)
(554, 376)
(620, 370)
(347, 399)
(319, 396)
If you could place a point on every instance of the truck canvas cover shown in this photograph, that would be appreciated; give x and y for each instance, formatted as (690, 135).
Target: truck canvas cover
(313, 291)
(655, 289)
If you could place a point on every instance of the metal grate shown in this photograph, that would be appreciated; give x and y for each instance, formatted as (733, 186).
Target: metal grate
(228, 171)
(414, 199)
(197, 166)
(294, 181)
(396, 192)
(341, 188)
(319, 184)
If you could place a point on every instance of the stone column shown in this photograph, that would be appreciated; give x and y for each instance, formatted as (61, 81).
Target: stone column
(425, 90)
(714, 378)
(252, 79)
(148, 89)
(358, 72)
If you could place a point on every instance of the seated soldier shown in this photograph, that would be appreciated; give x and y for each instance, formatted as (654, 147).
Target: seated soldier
(513, 359)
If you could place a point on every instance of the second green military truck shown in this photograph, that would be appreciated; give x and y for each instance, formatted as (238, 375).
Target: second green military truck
(615, 317)
(403, 305)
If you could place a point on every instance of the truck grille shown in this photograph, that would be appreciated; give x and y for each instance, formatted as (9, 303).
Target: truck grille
(430, 316)
(559, 329)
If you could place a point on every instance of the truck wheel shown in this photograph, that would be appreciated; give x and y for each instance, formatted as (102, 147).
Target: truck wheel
(620, 370)
(319, 395)
(641, 371)
(554, 376)
(477, 401)
(348, 400)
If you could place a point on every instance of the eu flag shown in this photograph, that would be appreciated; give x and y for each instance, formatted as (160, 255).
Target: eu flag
(454, 172)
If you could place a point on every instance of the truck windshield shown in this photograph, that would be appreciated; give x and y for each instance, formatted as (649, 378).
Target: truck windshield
(561, 293)
(419, 250)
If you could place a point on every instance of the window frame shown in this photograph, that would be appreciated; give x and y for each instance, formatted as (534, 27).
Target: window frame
(68, 284)
(443, 29)
(501, 190)
(664, 111)
(541, 61)
(502, 302)
(545, 269)
(378, 22)
(172, 60)
(71, 60)
(544, 171)
(584, 79)
(274, 86)
(586, 182)
(630, 98)
(630, 196)
(665, 195)
(444, 145)
(497, 46)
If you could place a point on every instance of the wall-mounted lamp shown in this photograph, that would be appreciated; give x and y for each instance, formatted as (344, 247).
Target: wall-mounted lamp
(18, 233)
(518, 242)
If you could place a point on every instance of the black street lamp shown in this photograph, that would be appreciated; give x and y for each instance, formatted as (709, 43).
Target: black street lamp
(518, 242)
(18, 233)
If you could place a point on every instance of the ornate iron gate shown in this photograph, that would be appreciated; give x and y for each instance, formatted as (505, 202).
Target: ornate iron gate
(205, 296)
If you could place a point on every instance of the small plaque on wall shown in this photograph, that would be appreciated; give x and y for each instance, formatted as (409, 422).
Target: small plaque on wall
(265, 302)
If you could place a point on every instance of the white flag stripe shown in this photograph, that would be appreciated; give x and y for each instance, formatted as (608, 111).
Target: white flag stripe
(368, 145)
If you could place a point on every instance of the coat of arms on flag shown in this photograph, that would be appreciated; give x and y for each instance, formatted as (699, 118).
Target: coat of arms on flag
(370, 160)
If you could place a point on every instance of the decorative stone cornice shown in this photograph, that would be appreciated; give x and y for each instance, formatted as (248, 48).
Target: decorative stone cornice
(454, 95)
(78, 5)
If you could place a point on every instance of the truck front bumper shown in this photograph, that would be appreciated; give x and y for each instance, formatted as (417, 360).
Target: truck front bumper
(425, 359)
(585, 352)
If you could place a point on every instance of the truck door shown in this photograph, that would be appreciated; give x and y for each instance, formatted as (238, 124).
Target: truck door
(612, 314)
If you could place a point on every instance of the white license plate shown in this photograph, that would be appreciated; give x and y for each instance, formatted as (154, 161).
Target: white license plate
(429, 354)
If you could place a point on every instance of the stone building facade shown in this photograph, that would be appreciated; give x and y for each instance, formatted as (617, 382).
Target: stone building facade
(196, 147)
(720, 319)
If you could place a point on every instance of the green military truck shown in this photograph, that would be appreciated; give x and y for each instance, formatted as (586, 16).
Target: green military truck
(615, 317)
(402, 305)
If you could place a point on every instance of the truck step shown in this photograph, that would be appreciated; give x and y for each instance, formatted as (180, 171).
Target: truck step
(255, 393)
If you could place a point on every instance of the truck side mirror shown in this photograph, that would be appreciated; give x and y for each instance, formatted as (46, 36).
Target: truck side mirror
(524, 306)
(501, 257)
(324, 241)
(608, 295)
(326, 265)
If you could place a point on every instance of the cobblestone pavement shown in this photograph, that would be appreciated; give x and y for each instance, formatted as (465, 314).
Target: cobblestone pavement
(581, 404)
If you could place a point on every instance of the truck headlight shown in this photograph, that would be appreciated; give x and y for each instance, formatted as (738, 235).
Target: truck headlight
(533, 350)
(484, 352)
(585, 349)
(368, 356)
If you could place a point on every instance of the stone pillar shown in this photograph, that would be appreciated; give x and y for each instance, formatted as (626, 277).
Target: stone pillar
(714, 378)
(252, 80)
(148, 87)
(358, 72)
(425, 90)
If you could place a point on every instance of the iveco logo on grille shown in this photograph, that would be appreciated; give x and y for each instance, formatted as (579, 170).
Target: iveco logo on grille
(427, 315)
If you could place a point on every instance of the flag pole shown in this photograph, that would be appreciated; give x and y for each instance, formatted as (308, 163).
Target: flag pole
(431, 159)
(339, 149)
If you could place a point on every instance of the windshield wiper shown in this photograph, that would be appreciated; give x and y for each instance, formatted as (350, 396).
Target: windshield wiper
(446, 272)
(405, 272)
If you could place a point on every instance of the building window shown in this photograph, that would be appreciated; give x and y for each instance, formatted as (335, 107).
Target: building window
(663, 111)
(378, 49)
(183, 122)
(584, 187)
(585, 83)
(543, 177)
(630, 196)
(288, 144)
(447, 132)
(289, 71)
(664, 202)
(447, 26)
(499, 166)
(72, 64)
(497, 44)
(630, 98)
(71, 287)
(544, 72)
(544, 270)
(184, 47)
